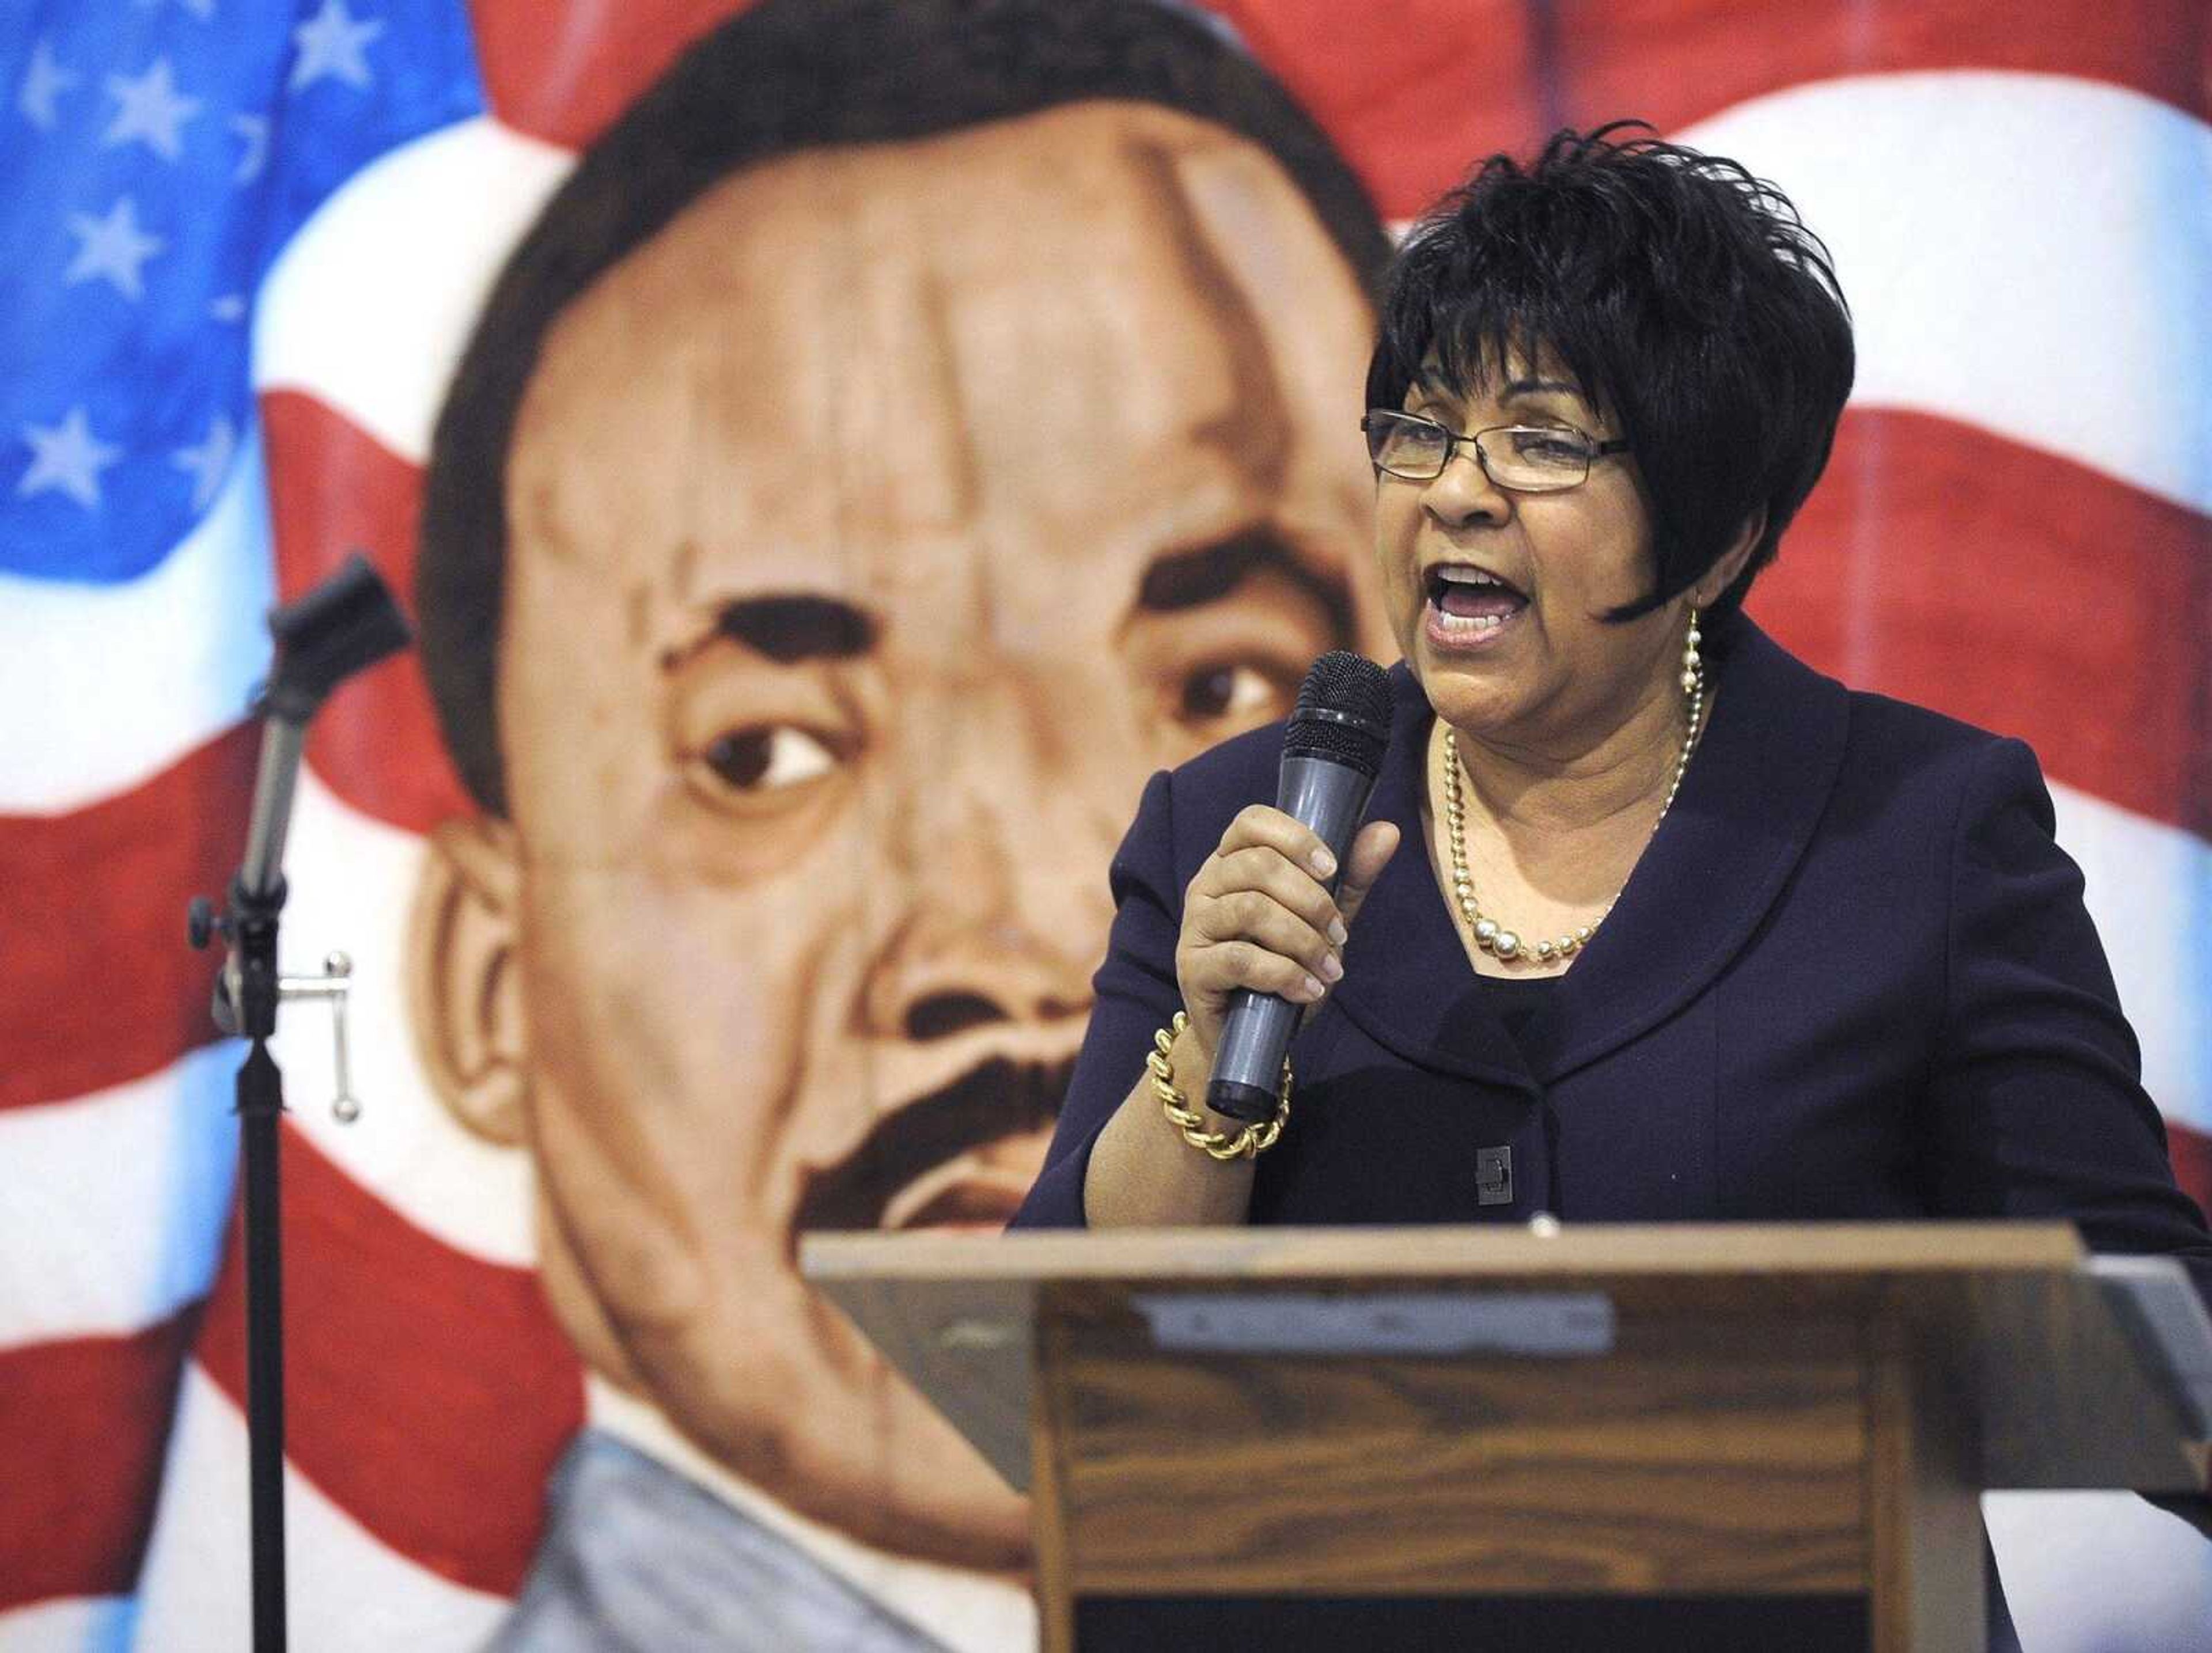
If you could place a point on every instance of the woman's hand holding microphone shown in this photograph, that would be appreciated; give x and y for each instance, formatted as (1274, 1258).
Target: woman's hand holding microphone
(1259, 913)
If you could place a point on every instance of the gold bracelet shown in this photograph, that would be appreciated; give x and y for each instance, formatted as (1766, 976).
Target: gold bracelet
(1252, 1141)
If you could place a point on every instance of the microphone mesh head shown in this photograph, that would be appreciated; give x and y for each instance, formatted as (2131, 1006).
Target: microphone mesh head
(1343, 713)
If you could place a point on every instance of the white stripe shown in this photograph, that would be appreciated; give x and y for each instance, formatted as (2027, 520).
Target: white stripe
(2031, 253)
(346, 1588)
(376, 335)
(116, 1202)
(133, 676)
(352, 881)
(145, 671)
(87, 1623)
(2149, 888)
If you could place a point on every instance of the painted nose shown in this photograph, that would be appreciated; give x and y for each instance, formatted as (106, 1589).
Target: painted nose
(1000, 882)
(945, 984)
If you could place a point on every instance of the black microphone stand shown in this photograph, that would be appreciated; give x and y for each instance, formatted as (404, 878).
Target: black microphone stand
(345, 624)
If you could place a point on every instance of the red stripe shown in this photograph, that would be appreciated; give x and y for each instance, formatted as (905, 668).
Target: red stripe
(2191, 1153)
(1415, 99)
(86, 1423)
(1411, 101)
(1419, 92)
(1945, 565)
(100, 986)
(99, 893)
(427, 1392)
(334, 489)
(563, 74)
(1414, 94)
(1706, 55)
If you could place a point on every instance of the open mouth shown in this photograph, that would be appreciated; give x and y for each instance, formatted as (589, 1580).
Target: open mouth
(948, 1160)
(1467, 604)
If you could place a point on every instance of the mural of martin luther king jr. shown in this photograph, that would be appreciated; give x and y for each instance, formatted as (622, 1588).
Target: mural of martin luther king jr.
(912, 424)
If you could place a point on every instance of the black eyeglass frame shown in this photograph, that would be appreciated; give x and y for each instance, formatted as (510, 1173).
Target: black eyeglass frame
(1598, 448)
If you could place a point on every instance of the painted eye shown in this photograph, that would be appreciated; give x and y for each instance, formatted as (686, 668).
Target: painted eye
(1230, 689)
(768, 757)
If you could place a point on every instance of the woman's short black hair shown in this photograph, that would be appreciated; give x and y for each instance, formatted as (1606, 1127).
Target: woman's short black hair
(782, 77)
(1683, 294)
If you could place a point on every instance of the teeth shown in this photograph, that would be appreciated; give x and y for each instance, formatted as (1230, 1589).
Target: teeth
(1473, 624)
(1463, 576)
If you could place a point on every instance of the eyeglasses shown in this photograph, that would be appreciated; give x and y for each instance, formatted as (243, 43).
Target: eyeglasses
(1527, 458)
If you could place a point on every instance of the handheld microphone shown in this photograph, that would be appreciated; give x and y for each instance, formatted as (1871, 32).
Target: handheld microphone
(1332, 751)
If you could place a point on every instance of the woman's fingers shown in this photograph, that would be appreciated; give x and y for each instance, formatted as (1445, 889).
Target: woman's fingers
(1251, 916)
(1258, 915)
(1258, 825)
(1371, 849)
(1213, 971)
(1264, 870)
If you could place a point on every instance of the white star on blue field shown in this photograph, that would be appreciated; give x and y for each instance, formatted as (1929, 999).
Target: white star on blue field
(150, 110)
(156, 157)
(113, 248)
(68, 459)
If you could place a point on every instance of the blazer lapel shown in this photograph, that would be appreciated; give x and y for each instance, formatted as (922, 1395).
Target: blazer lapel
(1407, 982)
(1750, 802)
(1748, 806)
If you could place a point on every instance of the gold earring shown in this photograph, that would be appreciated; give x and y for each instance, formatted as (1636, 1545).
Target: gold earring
(1693, 665)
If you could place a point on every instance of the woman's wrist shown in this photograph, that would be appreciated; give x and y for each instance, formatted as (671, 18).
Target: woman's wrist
(1192, 1057)
(1182, 1096)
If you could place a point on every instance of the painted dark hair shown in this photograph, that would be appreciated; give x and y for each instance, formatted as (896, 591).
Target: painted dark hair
(783, 78)
(1683, 295)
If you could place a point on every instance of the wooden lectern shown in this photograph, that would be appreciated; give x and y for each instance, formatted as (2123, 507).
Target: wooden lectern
(1794, 1416)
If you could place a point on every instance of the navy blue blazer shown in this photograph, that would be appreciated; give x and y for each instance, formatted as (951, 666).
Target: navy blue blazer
(1851, 978)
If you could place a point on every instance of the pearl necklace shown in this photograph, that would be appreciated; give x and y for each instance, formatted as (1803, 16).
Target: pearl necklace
(1493, 937)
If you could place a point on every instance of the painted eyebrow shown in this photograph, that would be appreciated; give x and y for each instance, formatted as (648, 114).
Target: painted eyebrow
(1206, 573)
(795, 627)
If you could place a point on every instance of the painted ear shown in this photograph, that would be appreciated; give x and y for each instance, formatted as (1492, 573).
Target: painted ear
(465, 996)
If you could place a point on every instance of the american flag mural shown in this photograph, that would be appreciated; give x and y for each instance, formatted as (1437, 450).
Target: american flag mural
(246, 240)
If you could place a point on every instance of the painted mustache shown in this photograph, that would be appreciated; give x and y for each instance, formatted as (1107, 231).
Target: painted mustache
(897, 1162)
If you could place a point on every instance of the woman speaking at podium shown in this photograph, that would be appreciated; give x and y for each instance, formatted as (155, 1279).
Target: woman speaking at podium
(1648, 921)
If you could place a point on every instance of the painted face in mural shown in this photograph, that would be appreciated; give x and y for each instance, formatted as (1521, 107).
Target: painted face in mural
(877, 529)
